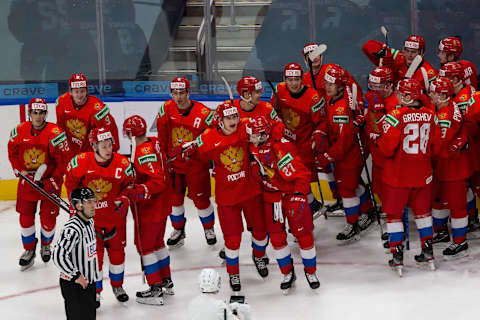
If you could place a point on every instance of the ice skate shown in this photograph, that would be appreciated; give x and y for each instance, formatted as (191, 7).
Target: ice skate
(366, 223)
(385, 236)
(288, 282)
(335, 209)
(152, 296)
(456, 251)
(209, 236)
(312, 280)
(235, 282)
(473, 228)
(177, 238)
(45, 253)
(167, 285)
(27, 258)
(120, 294)
(441, 237)
(260, 265)
(98, 297)
(426, 256)
(318, 209)
(349, 234)
(396, 263)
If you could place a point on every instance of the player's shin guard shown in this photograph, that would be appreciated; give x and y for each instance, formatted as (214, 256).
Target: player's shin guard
(459, 226)
(116, 274)
(47, 236)
(396, 233)
(207, 217)
(332, 184)
(163, 258)
(27, 225)
(471, 204)
(281, 251)
(151, 268)
(352, 208)
(259, 244)
(425, 228)
(366, 204)
(232, 250)
(178, 217)
(440, 219)
(308, 253)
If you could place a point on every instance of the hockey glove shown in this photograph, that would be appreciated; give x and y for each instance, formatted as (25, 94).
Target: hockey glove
(359, 121)
(121, 205)
(319, 141)
(295, 205)
(458, 144)
(323, 160)
(49, 185)
(138, 192)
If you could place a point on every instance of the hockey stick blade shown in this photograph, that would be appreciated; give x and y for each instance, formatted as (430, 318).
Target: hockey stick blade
(414, 66)
(385, 34)
(318, 51)
(40, 171)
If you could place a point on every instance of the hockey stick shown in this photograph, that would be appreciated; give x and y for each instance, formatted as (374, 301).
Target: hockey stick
(353, 101)
(135, 211)
(414, 66)
(405, 223)
(43, 192)
(229, 90)
(385, 35)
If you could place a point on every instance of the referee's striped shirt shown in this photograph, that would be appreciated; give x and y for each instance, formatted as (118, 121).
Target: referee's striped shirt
(75, 253)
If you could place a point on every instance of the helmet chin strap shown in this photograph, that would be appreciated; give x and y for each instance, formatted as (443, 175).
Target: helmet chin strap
(443, 101)
(407, 103)
(249, 100)
(98, 153)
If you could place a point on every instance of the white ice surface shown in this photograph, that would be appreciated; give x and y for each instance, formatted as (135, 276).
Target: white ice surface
(355, 280)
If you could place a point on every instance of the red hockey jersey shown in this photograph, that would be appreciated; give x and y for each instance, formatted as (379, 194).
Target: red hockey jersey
(407, 145)
(150, 168)
(233, 182)
(108, 181)
(29, 148)
(175, 128)
(279, 170)
(450, 166)
(78, 121)
(469, 73)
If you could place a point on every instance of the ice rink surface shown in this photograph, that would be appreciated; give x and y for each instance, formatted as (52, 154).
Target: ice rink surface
(356, 282)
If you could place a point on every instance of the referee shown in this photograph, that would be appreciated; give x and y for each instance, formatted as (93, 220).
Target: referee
(75, 255)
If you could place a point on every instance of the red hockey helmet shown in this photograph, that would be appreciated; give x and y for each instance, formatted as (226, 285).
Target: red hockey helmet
(451, 45)
(135, 125)
(442, 85)
(451, 69)
(292, 70)
(259, 125)
(247, 84)
(411, 87)
(336, 75)
(224, 110)
(37, 104)
(180, 83)
(379, 78)
(78, 80)
(415, 42)
(99, 134)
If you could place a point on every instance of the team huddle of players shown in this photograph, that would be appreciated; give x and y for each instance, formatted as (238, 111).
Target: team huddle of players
(419, 126)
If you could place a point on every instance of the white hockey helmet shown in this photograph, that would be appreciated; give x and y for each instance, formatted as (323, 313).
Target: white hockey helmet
(209, 280)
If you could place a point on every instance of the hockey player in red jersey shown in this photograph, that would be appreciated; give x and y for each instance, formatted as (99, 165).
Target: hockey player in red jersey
(181, 120)
(108, 174)
(302, 110)
(33, 144)
(335, 143)
(78, 113)
(380, 101)
(285, 182)
(400, 61)
(462, 94)
(151, 195)
(406, 143)
(235, 190)
(449, 50)
(451, 169)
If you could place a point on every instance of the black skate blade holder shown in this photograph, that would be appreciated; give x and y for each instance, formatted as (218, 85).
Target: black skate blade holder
(237, 298)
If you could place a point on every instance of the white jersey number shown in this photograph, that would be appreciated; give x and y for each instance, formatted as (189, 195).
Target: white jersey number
(412, 133)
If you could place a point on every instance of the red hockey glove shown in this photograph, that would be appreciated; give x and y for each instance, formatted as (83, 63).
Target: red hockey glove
(387, 61)
(359, 121)
(295, 205)
(458, 144)
(319, 141)
(138, 192)
(49, 185)
(121, 205)
(323, 160)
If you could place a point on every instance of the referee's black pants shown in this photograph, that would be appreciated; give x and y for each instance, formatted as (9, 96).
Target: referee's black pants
(79, 302)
